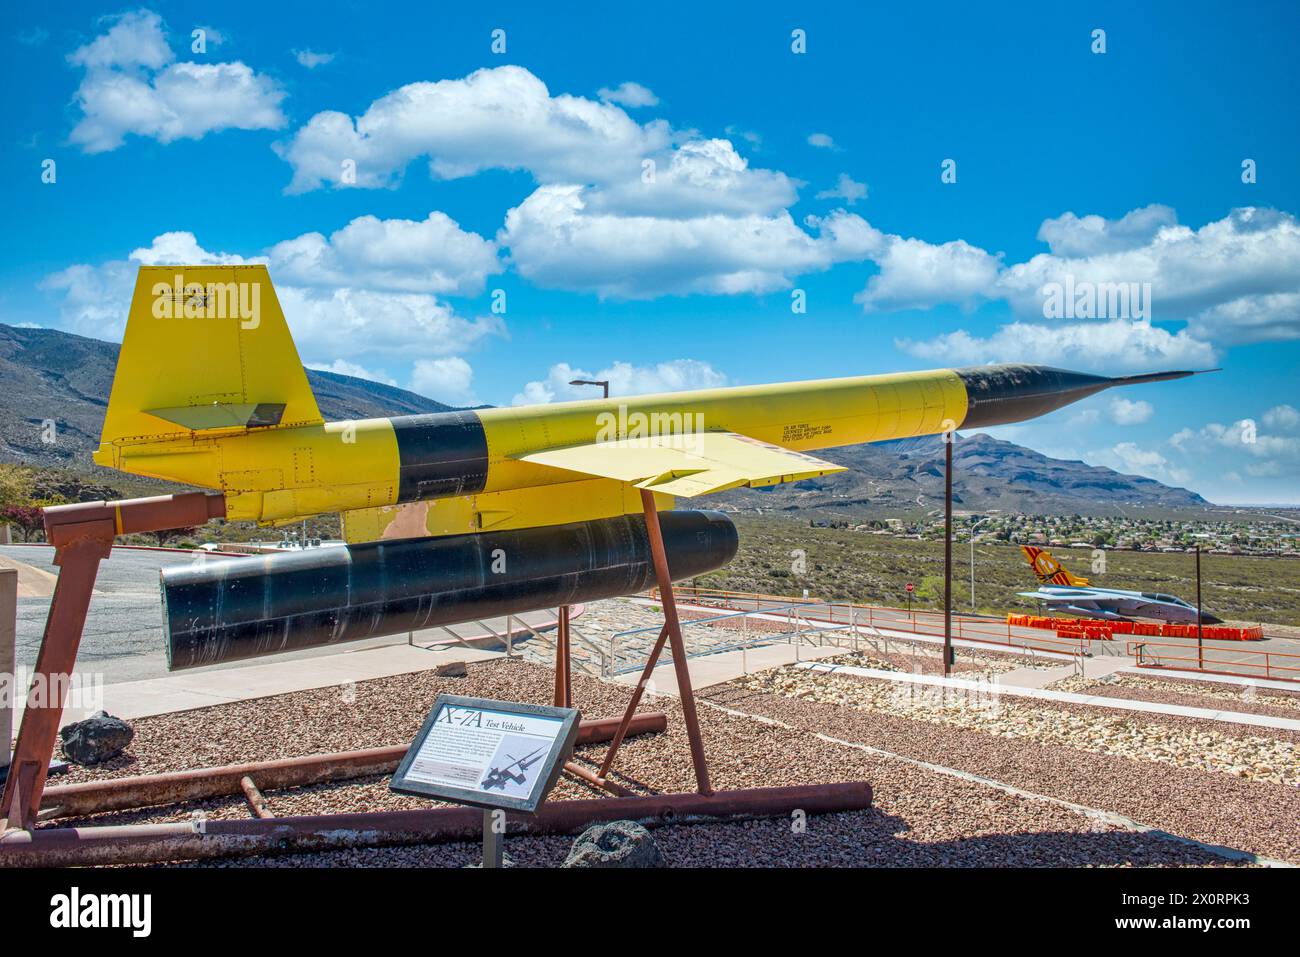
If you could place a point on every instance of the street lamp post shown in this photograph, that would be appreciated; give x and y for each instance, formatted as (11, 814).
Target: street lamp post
(599, 382)
(1200, 647)
(972, 558)
(948, 439)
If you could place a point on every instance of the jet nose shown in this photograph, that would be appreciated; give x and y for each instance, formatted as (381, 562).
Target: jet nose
(1208, 619)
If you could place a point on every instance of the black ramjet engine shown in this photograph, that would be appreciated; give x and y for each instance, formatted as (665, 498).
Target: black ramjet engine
(247, 607)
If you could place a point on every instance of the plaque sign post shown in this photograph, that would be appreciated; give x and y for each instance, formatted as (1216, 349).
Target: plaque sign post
(497, 755)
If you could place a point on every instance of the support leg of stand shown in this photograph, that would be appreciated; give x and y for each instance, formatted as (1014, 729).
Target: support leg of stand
(78, 562)
(563, 660)
(674, 628)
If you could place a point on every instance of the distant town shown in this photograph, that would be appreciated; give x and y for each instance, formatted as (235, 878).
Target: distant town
(1277, 536)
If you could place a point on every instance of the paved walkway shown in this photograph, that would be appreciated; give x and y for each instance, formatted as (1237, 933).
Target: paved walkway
(187, 690)
(716, 669)
(1121, 704)
(1042, 677)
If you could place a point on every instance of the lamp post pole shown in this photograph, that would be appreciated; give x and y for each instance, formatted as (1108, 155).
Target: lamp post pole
(948, 439)
(599, 382)
(1200, 648)
(972, 558)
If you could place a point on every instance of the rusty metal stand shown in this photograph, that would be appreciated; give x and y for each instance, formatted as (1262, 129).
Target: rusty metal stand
(672, 633)
(82, 536)
(563, 661)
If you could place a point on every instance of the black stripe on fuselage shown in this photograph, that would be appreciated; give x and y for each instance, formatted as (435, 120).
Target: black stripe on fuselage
(440, 454)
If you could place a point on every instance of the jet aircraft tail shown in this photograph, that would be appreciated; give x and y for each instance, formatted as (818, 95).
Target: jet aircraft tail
(1049, 570)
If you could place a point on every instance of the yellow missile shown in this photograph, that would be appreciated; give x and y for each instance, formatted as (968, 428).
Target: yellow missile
(210, 391)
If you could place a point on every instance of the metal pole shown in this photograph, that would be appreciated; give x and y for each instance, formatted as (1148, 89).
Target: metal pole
(972, 568)
(673, 627)
(8, 661)
(1200, 649)
(947, 554)
(493, 849)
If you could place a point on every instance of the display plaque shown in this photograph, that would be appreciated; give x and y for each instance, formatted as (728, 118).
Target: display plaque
(486, 753)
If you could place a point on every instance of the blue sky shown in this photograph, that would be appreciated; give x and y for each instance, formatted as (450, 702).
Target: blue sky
(396, 173)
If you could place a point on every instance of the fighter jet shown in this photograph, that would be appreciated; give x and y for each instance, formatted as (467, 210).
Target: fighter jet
(498, 777)
(1062, 591)
(463, 515)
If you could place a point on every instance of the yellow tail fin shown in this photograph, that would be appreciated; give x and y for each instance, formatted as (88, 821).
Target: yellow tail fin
(206, 349)
(1048, 569)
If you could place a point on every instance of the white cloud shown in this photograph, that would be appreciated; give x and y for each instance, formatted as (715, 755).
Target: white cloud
(629, 94)
(1236, 279)
(624, 378)
(311, 59)
(1251, 318)
(433, 255)
(1074, 236)
(1265, 455)
(131, 85)
(700, 176)
(822, 141)
(134, 40)
(847, 189)
(343, 367)
(915, 274)
(556, 241)
(501, 118)
(1131, 459)
(1249, 253)
(1284, 418)
(1128, 412)
(339, 322)
(1121, 343)
(448, 380)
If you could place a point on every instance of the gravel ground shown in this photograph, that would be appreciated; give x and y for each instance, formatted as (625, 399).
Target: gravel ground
(1208, 806)
(1224, 697)
(1218, 703)
(1238, 752)
(921, 817)
(920, 661)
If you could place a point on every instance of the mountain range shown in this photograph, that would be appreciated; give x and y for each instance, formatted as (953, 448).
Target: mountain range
(53, 376)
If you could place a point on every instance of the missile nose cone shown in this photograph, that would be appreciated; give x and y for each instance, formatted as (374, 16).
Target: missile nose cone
(999, 394)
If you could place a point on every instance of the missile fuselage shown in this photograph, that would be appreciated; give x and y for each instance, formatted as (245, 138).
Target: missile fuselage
(280, 473)
(238, 608)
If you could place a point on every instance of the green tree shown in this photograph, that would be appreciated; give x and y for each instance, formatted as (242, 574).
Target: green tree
(15, 485)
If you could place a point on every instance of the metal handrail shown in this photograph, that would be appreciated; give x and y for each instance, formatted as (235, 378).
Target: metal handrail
(1141, 652)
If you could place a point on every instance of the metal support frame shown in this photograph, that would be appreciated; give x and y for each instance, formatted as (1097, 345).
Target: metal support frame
(671, 633)
(563, 660)
(82, 536)
(220, 837)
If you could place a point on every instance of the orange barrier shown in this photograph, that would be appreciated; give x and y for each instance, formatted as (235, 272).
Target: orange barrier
(1093, 628)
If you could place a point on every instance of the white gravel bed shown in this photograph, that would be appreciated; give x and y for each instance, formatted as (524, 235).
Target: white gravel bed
(1250, 757)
